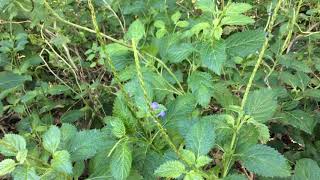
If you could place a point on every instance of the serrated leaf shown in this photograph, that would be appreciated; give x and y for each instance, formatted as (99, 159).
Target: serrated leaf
(85, 144)
(119, 54)
(188, 156)
(51, 139)
(206, 5)
(121, 162)
(311, 93)
(290, 61)
(22, 156)
(7, 166)
(182, 24)
(200, 138)
(298, 80)
(159, 24)
(261, 105)
(214, 56)
(307, 169)
(25, 173)
(170, 169)
(264, 134)
(61, 162)
(237, 19)
(300, 119)
(203, 160)
(175, 17)
(72, 116)
(78, 169)
(201, 85)
(238, 8)
(118, 128)
(136, 31)
(67, 132)
(121, 110)
(265, 161)
(244, 43)
(12, 144)
(193, 176)
(181, 108)
(10, 80)
(178, 52)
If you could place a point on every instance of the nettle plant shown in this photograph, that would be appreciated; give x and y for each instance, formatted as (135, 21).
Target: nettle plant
(137, 89)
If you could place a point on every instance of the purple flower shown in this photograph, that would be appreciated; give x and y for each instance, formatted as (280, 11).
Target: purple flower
(161, 114)
(154, 105)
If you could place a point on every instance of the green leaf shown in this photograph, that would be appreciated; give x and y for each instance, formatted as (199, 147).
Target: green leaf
(238, 8)
(10, 80)
(78, 169)
(121, 110)
(51, 139)
(25, 173)
(265, 161)
(72, 116)
(238, 19)
(201, 85)
(67, 132)
(182, 24)
(178, 52)
(118, 128)
(22, 156)
(61, 162)
(290, 61)
(200, 138)
(298, 80)
(188, 156)
(261, 105)
(214, 56)
(264, 134)
(193, 176)
(311, 93)
(7, 166)
(136, 31)
(203, 160)
(307, 169)
(170, 169)
(244, 43)
(121, 162)
(235, 177)
(175, 17)
(12, 144)
(300, 119)
(181, 108)
(57, 89)
(206, 5)
(85, 144)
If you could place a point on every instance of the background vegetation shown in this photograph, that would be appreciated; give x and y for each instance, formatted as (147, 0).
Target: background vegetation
(152, 89)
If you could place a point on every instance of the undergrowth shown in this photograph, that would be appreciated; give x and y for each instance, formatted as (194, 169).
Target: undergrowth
(159, 89)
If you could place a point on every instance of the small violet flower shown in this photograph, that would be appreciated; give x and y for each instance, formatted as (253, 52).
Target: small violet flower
(161, 114)
(154, 105)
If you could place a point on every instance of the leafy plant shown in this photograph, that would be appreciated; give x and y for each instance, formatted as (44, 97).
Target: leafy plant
(136, 89)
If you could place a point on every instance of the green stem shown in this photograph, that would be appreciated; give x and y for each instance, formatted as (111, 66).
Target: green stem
(286, 43)
(148, 101)
(239, 122)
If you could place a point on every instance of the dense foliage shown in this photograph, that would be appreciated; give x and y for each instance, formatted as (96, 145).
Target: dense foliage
(147, 89)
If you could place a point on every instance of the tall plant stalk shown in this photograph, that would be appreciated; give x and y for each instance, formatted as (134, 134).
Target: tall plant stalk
(228, 157)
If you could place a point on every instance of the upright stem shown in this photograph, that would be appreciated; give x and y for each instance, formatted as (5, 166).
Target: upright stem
(148, 101)
(240, 120)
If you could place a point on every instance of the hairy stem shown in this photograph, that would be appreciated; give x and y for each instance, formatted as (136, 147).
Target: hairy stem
(240, 120)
